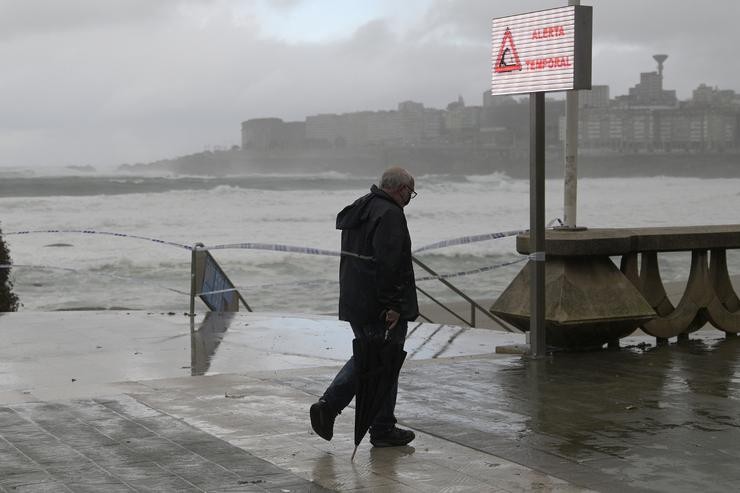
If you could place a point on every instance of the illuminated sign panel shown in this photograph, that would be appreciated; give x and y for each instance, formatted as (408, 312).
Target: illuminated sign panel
(543, 51)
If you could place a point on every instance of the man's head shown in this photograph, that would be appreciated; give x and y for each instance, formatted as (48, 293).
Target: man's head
(399, 184)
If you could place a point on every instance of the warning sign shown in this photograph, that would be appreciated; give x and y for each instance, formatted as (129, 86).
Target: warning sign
(508, 58)
(549, 50)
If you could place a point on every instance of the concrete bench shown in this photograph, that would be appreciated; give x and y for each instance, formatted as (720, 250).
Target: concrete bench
(589, 301)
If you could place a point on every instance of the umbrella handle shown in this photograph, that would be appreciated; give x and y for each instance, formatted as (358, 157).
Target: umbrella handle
(387, 325)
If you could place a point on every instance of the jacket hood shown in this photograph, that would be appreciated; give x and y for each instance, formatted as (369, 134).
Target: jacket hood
(357, 212)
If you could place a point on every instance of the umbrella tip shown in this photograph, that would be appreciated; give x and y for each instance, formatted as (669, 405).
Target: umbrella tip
(353, 454)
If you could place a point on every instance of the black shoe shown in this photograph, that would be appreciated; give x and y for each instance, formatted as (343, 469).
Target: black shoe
(322, 419)
(396, 437)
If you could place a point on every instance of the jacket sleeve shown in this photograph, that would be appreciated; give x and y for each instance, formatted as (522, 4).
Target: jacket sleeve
(388, 243)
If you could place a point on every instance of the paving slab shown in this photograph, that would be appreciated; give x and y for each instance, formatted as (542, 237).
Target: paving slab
(65, 445)
(224, 407)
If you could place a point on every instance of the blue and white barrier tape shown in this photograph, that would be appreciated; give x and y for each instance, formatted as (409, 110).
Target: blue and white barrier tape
(285, 248)
(278, 247)
(464, 240)
(314, 282)
(107, 233)
(270, 285)
(282, 248)
(317, 251)
(470, 272)
(468, 239)
(274, 247)
(218, 291)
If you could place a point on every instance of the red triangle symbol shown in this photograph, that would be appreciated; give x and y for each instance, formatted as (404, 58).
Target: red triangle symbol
(507, 59)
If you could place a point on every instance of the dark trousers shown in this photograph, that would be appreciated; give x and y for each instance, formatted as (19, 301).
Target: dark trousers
(341, 391)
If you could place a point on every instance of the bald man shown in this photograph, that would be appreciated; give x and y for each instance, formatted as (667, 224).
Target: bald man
(377, 290)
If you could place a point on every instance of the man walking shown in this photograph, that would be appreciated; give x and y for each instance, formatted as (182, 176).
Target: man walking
(376, 291)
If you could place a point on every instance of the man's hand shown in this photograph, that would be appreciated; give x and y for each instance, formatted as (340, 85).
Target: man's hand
(391, 318)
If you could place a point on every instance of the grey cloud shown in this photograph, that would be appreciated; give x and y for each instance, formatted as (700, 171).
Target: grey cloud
(284, 4)
(699, 38)
(21, 18)
(139, 81)
(373, 38)
(469, 20)
(665, 20)
(636, 21)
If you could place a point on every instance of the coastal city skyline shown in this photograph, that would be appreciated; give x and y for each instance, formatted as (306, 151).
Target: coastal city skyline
(135, 81)
(648, 117)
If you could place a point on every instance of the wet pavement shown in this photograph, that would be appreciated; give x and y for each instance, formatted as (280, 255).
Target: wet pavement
(129, 401)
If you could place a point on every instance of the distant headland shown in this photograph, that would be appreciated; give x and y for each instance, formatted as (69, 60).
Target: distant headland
(643, 133)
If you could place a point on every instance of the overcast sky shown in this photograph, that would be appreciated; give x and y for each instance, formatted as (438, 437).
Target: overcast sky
(106, 82)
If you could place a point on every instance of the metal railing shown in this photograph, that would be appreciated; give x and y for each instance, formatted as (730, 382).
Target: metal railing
(226, 297)
(474, 305)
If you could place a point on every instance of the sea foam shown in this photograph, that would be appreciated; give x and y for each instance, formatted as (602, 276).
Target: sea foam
(300, 210)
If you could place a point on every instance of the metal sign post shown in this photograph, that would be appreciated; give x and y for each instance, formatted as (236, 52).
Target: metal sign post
(534, 53)
(537, 223)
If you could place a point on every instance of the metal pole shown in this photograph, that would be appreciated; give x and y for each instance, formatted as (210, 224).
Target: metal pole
(193, 259)
(537, 223)
(571, 154)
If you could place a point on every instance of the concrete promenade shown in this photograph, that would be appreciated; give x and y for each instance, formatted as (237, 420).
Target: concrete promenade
(130, 401)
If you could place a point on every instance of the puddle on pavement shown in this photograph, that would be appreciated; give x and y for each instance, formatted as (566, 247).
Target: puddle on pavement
(205, 340)
(674, 406)
(222, 342)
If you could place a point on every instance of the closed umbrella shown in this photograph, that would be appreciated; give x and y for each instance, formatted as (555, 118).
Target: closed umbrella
(378, 361)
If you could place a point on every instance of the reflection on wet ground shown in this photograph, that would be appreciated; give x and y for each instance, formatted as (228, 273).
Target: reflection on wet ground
(56, 353)
(642, 418)
(286, 338)
(665, 419)
(205, 340)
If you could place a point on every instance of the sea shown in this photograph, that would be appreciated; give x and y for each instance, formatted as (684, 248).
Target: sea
(96, 240)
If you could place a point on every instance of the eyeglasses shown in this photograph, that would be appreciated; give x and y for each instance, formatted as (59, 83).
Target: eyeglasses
(411, 191)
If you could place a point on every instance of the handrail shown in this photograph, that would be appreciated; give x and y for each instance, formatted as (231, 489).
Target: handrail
(473, 304)
(198, 249)
(443, 306)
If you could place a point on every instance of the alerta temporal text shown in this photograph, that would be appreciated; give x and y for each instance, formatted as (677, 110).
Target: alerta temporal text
(548, 62)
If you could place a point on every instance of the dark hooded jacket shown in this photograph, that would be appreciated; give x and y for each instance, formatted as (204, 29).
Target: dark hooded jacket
(374, 227)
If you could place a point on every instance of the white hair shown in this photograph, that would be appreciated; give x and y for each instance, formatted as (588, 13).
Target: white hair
(396, 177)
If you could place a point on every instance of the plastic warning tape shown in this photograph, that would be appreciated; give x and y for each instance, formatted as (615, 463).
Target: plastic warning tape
(107, 233)
(464, 240)
(273, 246)
(317, 251)
(286, 248)
(471, 272)
(218, 291)
(314, 282)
